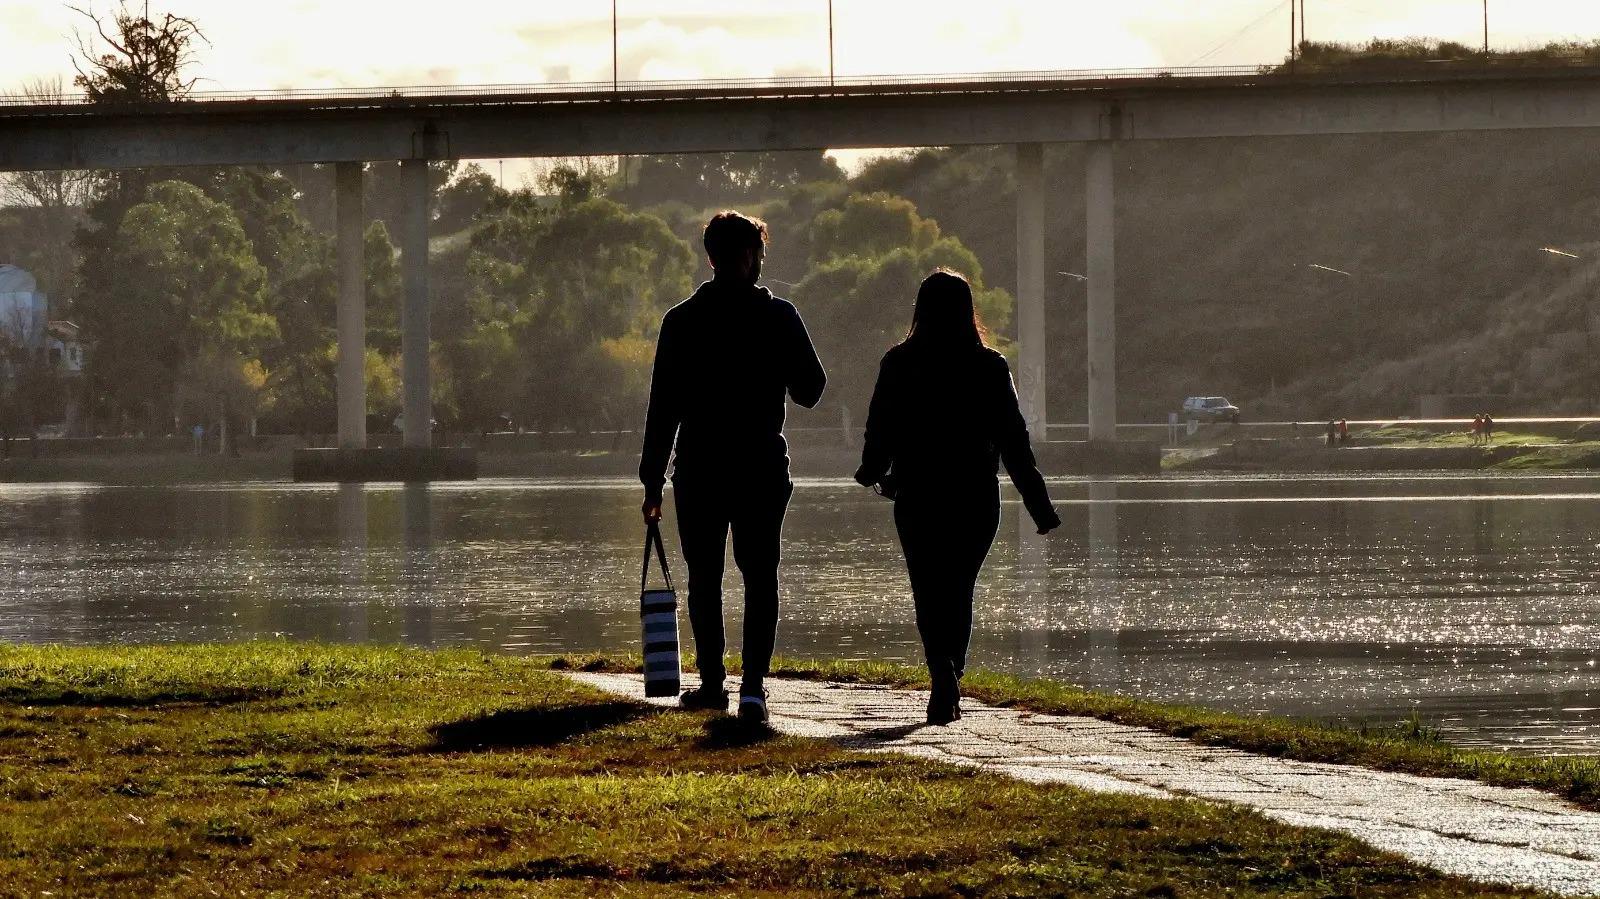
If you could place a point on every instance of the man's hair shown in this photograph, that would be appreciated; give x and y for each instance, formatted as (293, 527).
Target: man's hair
(729, 233)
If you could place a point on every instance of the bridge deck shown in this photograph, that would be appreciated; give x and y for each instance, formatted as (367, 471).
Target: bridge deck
(1075, 81)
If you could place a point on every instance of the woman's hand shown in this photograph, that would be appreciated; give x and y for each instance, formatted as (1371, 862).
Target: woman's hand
(651, 510)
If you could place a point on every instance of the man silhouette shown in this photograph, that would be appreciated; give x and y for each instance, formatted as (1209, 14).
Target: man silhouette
(724, 361)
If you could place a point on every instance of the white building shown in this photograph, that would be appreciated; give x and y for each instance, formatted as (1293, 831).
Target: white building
(26, 331)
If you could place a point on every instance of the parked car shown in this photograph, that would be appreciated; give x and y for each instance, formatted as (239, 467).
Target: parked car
(400, 424)
(1210, 408)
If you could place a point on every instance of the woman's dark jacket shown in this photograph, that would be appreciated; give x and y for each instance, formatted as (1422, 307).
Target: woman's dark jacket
(943, 419)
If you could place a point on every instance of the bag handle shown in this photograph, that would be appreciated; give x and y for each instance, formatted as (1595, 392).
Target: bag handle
(652, 538)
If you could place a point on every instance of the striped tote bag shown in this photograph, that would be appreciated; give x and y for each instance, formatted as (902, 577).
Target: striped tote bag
(658, 616)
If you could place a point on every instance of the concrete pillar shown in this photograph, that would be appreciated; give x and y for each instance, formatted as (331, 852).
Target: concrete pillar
(1100, 202)
(352, 308)
(1030, 288)
(415, 376)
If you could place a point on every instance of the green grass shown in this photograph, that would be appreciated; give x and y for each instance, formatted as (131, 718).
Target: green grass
(1576, 455)
(1411, 747)
(1406, 435)
(294, 770)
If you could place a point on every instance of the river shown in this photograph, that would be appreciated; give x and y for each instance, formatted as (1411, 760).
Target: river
(1467, 600)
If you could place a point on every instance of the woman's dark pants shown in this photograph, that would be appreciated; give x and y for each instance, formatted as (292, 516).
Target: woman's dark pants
(945, 537)
(754, 514)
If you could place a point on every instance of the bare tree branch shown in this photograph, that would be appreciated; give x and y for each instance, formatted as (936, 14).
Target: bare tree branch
(146, 58)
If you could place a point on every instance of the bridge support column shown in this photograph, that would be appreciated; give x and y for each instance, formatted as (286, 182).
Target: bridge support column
(1031, 353)
(415, 373)
(352, 307)
(1100, 203)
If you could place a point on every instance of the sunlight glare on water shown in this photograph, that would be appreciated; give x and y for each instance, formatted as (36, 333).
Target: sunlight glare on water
(1468, 600)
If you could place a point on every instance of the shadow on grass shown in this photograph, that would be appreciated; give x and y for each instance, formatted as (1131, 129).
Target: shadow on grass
(111, 697)
(726, 732)
(535, 727)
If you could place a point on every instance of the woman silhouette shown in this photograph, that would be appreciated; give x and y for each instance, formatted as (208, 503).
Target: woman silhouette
(943, 415)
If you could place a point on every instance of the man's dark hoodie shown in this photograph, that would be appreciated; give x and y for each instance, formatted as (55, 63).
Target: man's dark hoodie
(725, 359)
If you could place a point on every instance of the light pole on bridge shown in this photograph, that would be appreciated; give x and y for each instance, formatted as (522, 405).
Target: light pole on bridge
(830, 43)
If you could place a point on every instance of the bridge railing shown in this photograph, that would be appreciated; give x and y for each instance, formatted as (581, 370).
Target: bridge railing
(807, 83)
(822, 84)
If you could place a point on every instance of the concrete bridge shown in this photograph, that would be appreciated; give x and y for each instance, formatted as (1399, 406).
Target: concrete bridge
(1027, 110)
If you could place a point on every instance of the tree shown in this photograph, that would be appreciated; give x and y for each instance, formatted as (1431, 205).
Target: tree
(562, 304)
(133, 58)
(55, 202)
(577, 180)
(868, 258)
(473, 193)
(706, 180)
(190, 306)
(30, 388)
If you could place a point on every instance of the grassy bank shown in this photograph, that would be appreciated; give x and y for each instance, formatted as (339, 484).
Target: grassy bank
(1538, 452)
(307, 770)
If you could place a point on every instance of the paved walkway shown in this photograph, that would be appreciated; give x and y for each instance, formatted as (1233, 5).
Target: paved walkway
(1513, 836)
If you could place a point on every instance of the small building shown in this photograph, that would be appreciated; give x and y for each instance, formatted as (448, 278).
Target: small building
(27, 333)
(62, 349)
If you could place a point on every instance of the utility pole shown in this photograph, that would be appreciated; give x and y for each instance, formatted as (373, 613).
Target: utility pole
(1302, 23)
(1293, 49)
(1485, 27)
(830, 43)
(614, 61)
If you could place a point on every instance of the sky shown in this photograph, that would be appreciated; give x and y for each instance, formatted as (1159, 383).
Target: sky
(366, 43)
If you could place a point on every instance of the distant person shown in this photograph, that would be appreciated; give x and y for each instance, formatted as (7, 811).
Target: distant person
(1333, 432)
(1488, 429)
(1344, 431)
(724, 361)
(1477, 429)
(199, 432)
(943, 415)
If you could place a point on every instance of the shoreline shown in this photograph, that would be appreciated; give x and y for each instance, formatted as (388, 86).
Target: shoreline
(271, 466)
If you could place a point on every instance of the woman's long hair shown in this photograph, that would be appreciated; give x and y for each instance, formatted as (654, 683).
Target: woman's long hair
(944, 317)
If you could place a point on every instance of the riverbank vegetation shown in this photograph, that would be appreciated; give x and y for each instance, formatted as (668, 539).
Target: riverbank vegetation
(283, 769)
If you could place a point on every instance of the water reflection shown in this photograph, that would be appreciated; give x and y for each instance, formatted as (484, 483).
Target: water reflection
(1469, 600)
(1034, 631)
(419, 594)
(353, 560)
(1103, 587)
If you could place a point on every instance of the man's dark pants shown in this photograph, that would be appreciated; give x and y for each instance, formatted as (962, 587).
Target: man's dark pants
(754, 514)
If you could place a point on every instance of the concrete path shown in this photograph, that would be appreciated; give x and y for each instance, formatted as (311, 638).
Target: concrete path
(1513, 836)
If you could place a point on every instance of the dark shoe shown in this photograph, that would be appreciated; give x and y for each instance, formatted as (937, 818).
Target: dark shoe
(703, 699)
(941, 713)
(944, 700)
(753, 708)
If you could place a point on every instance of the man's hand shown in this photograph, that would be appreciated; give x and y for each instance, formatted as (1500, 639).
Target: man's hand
(651, 510)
